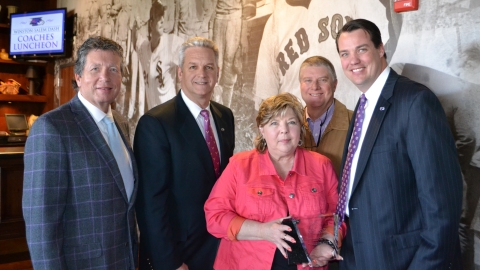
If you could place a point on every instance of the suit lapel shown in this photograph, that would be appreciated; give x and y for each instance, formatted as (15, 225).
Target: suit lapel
(378, 116)
(123, 130)
(94, 135)
(193, 136)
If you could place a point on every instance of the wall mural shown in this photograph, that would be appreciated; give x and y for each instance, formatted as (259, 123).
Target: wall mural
(263, 42)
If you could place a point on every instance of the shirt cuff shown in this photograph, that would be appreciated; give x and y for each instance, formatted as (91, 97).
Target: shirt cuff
(234, 227)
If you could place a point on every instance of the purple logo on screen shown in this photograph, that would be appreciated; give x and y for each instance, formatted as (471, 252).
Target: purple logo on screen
(37, 21)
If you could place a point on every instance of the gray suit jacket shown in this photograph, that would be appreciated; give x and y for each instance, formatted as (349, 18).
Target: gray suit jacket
(76, 211)
(406, 198)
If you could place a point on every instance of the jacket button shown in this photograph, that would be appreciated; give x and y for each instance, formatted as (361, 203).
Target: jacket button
(291, 195)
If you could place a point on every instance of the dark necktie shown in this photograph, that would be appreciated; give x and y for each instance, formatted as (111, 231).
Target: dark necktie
(211, 143)
(352, 148)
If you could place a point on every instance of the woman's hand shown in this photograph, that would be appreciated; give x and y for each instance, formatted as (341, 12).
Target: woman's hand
(323, 253)
(273, 231)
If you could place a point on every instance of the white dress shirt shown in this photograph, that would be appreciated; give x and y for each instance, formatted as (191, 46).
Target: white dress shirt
(195, 110)
(372, 95)
(98, 116)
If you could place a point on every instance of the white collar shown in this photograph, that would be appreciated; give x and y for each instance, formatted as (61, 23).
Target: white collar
(373, 93)
(95, 112)
(192, 106)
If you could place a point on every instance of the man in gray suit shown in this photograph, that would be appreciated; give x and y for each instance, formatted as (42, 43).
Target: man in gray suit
(79, 178)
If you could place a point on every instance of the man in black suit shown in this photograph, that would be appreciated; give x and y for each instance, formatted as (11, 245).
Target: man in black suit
(404, 192)
(176, 168)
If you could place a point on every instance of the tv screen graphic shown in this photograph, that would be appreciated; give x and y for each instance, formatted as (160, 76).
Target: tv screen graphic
(37, 34)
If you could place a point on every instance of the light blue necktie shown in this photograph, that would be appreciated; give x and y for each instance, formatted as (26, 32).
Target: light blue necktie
(121, 155)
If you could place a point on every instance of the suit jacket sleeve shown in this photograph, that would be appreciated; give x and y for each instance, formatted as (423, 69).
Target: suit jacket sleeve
(434, 159)
(152, 153)
(44, 195)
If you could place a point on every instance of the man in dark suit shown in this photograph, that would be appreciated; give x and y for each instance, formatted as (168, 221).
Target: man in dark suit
(176, 168)
(405, 185)
(79, 179)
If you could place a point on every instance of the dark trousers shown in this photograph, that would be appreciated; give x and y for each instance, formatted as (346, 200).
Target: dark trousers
(472, 179)
(199, 252)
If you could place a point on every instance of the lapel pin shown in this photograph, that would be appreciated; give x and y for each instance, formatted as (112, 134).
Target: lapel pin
(382, 108)
(222, 129)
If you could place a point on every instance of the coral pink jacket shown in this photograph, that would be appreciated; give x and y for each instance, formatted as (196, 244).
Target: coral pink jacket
(250, 188)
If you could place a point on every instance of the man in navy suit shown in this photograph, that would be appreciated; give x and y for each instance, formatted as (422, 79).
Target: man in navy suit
(405, 185)
(176, 168)
(78, 195)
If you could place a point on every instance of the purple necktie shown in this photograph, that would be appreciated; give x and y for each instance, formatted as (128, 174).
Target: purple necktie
(352, 148)
(212, 145)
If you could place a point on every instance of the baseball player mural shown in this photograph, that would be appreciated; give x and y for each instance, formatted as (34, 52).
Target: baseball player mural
(262, 55)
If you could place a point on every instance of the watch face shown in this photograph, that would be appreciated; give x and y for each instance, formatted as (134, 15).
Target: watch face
(299, 253)
(303, 3)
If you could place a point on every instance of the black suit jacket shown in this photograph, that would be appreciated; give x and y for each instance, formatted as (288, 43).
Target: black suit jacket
(406, 198)
(176, 176)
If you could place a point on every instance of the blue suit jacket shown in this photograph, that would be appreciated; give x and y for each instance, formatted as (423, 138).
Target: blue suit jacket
(406, 199)
(75, 206)
(176, 177)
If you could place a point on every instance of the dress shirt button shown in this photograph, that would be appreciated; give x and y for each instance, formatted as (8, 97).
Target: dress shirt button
(259, 193)
(291, 195)
(290, 174)
(314, 190)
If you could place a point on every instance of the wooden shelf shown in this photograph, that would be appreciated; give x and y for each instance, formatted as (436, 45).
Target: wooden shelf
(23, 98)
(25, 63)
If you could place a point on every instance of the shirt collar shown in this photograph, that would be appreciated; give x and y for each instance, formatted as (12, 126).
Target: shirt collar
(266, 165)
(373, 93)
(95, 112)
(329, 109)
(192, 106)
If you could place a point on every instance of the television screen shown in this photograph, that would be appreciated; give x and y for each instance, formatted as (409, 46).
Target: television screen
(37, 34)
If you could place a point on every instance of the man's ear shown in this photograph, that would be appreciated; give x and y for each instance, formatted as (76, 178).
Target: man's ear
(179, 72)
(77, 79)
(381, 50)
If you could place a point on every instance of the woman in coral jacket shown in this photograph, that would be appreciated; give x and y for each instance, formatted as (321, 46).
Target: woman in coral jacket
(261, 187)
